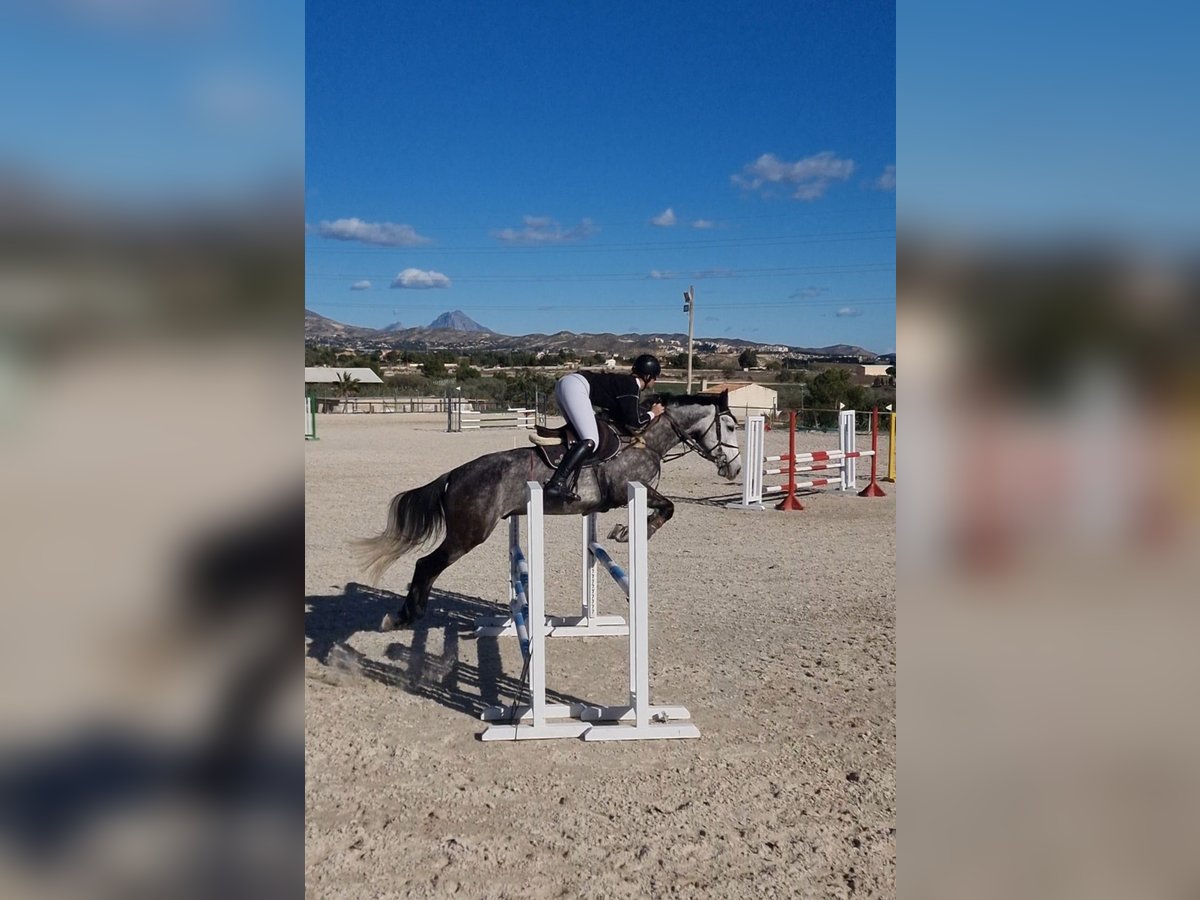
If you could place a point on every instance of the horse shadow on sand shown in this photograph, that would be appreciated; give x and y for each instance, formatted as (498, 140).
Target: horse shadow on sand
(425, 660)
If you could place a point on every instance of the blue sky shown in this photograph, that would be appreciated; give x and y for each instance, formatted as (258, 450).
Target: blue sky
(546, 166)
(1060, 121)
(143, 102)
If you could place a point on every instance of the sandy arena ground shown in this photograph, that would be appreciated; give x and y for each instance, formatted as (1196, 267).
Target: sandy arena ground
(777, 631)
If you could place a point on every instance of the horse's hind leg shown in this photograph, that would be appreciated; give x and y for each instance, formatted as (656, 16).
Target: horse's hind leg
(426, 572)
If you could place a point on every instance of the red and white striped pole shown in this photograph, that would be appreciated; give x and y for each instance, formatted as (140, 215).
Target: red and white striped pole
(873, 489)
(790, 501)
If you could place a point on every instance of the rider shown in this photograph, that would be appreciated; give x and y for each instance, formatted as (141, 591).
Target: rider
(616, 395)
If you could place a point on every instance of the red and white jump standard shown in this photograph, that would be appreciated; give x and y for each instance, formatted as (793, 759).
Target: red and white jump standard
(843, 460)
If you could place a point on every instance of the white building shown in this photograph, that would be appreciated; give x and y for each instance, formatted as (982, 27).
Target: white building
(745, 398)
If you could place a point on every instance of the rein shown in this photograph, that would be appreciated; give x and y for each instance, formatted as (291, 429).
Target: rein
(692, 444)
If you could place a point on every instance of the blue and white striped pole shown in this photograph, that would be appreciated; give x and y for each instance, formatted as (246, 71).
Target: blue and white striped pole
(618, 574)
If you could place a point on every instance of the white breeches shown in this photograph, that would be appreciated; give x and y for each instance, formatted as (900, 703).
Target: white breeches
(575, 400)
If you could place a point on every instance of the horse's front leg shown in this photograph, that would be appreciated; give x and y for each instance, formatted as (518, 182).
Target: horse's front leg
(661, 510)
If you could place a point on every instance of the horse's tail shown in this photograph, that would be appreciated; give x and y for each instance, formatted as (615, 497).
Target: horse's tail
(415, 517)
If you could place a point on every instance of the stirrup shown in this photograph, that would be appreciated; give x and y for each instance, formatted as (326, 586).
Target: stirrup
(560, 492)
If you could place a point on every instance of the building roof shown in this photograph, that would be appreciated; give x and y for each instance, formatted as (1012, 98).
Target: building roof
(330, 375)
(733, 386)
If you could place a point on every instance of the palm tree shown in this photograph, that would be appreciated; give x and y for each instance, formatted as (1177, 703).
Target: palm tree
(347, 384)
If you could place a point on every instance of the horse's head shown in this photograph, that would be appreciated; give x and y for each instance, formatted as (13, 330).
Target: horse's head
(707, 426)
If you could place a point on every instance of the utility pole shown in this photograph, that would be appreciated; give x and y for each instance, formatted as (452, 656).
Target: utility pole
(689, 307)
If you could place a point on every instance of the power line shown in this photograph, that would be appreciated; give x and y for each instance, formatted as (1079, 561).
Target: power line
(580, 279)
(718, 222)
(640, 307)
(641, 246)
(864, 268)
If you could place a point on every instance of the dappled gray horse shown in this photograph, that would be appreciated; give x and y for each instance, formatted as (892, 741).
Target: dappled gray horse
(466, 503)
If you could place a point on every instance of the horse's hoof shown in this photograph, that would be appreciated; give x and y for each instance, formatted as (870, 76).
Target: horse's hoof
(620, 534)
(399, 619)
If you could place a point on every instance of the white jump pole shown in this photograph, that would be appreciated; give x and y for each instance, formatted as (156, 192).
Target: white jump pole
(846, 445)
(590, 622)
(648, 722)
(537, 720)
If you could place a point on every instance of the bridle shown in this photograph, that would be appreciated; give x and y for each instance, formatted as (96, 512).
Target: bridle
(693, 445)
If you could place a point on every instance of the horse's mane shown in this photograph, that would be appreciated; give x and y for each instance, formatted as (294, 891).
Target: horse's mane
(721, 400)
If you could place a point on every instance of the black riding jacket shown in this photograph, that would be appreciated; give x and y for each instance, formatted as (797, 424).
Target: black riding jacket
(617, 395)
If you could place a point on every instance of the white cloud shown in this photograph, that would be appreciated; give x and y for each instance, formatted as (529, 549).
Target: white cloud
(663, 274)
(807, 178)
(381, 234)
(544, 230)
(664, 219)
(886, 181)
(704, 223)
(847, 312)
(807, 293)
(361, 286)
(419, 279)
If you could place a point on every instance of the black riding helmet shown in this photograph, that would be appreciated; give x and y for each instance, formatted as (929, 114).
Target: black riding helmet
(647, 366)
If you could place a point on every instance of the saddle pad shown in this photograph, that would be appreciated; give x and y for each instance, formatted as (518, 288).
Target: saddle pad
(552, 454)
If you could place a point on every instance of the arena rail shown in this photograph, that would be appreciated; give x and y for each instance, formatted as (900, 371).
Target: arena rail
(458, 418)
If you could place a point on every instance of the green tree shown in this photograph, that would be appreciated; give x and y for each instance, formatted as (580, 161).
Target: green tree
(315, 355)
(793, 396)
(410, 384)
(466, 372)
(433, 368)
(833, 386)
(748, 358)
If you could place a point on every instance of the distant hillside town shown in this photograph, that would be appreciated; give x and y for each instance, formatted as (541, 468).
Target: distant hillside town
(353, 369)
(457, 332)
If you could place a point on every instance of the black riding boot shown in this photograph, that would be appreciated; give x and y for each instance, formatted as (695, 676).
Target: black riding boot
(558, 487)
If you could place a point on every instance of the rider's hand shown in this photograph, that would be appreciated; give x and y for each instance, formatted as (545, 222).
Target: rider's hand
(656, 410)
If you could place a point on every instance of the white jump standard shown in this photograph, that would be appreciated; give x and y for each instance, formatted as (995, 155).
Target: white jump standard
(636, 720)
(587, 624)
(310, 418)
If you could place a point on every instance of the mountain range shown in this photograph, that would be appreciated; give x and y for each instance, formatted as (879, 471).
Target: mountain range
(458, 331)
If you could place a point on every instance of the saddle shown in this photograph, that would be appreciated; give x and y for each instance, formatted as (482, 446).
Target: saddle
(552, 443)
